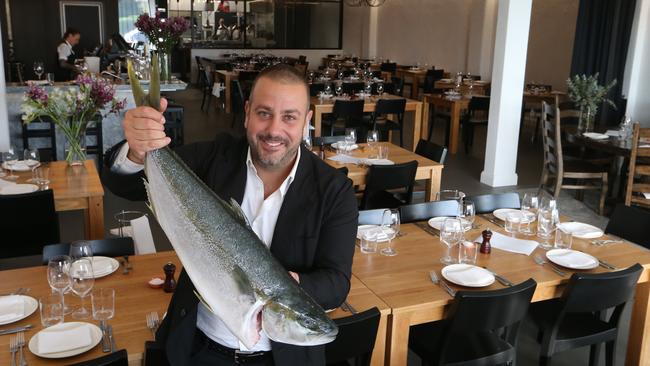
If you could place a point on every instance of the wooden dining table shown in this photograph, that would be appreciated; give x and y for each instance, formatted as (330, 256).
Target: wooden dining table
(412, 129)
(134, 299)
(417, 77)
(76, 188)
(225, 77)
(403, 282)
(428, 170)
(479, 87)
(455, 106)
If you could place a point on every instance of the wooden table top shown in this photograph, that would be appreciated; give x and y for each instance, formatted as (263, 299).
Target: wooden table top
(69, 182)
(134, 299)
(612, 145)
(404, 284)
(441, 99)
(368, 102)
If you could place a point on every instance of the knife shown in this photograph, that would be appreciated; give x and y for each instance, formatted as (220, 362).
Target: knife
(111, 338)
(16, 330)
(106, 347)
(504, 281)
(602, 263)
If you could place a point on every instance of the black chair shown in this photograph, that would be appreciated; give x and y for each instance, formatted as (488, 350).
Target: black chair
(630, 223)
(42, 130)
(247, 77)
(396, 86)
(481, 328)
(154, 354)
(21, 236)
(388, 67)
(238, 103)
(345, 114)
(117, 358)
(352, 88)
(431, 151)
(487, 203)
(380, 121)
(320, 141)
(477, 115)
(343, 170)
(579, 318)
(111, 247)
(427, 210)
(316, 88)
(430, 79)
(382, 178)
(174, 116)
(355, 340)
(371, 217)
(96, 148)
(206, 86)
(199, 68)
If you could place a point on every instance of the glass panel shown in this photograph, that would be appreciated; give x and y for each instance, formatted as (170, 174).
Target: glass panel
(128, 13)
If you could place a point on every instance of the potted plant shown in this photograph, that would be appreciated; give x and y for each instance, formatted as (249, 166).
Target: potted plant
(587, 94)
(73, 110)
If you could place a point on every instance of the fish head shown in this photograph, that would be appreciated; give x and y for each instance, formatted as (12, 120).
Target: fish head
(303, 326)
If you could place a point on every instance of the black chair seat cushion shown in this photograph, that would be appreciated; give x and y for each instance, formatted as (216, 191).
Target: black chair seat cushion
(485, 348)
(384, 199)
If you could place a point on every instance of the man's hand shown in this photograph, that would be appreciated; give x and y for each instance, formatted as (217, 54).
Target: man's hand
(295, 276)
(144, 129)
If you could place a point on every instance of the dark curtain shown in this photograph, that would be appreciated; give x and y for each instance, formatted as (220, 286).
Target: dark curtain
(600, 46)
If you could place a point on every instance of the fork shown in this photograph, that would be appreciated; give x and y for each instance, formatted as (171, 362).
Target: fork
(152, 323)
(13, 347)
(21, 343)
(349, 308)
(539, 260)
(442, 284)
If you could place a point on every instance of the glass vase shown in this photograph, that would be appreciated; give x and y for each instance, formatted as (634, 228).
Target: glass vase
(586, 121)
(75, 148)
(165, 62)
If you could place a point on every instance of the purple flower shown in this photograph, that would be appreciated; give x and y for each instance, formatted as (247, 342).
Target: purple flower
(37, 94)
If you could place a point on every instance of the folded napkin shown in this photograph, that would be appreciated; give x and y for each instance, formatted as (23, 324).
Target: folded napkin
(373, 229)
(572, 258)
(11, 307)
(102, 266)
(646, 195)
(345, 159)
(577, 229)
(64, 337)
(595, 136)
(470, 275)
(510, 244)
(614, 133)
(343, 145)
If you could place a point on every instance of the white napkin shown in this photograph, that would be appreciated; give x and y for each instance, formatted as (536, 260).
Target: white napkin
(11, 307)
(102, 266)
(375, 229)
(615, 133)
(595, 136)
(471, 275)
(142, 238)
(343, 145)
(572, 258)
(577, 229)
(63, 338)
(126, 231)
(646, 195)
(510, 244)
(346, 159)
(644, 146)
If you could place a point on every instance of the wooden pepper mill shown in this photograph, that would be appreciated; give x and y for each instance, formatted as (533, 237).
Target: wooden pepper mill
(170, 282)
(486, 248)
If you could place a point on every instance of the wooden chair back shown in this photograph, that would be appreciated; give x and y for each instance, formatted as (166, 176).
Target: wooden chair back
(638, 177)
(552, 139)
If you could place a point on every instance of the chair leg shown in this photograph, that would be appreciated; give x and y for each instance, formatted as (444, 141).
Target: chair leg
(203, 100)
(558, 186)
(594, 354)
(603, 195)
(610, 353)
(544, 361)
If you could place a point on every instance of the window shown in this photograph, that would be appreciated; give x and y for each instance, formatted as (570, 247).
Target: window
(128, 13)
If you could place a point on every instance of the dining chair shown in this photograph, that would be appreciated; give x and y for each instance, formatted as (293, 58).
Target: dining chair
(431, 151)
(29, 222)
(630, 223)
(382, 178)
(355, 340)
(380, 117)
(95, 140)
(174, 126)
(476, 115)
(638, 171)
(238, 102)
(199, 67)
(110, 247)
(345, 114)
(352, 88)
(395, 87)
(581, 316)
(327, 140)
(487, 203)
(41, 130)
(205, 75)
(316, 88)
(425, 211)
(430, 79)
(481, 328)
(371, 217)
(570, 174)
(117, 358)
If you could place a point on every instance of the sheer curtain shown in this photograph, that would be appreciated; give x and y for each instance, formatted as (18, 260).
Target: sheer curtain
(129, 10)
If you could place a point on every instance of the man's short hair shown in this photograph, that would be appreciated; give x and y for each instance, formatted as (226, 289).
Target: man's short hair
(285, 74)
(70, 32)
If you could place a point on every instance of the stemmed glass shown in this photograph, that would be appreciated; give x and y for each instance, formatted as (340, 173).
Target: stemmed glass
(82, 280)
(80, 249)
(328, 89)
(32, 160)
(338, 89)
(10, 158)
(380, 89)
(372, 138)
(58, 276)
(451, 233)
(468, 214)
(390, 225)
(530, 203)
(306, 140)
(368, 89)
(39, 69)
(350, 138)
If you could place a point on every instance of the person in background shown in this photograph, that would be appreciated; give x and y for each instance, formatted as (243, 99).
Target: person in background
(222, 32)
(236, 33)
(66, 55)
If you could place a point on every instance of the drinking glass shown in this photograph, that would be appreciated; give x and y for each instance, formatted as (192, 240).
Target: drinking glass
(103, 304)
(10, 158)
(451, 233)
(82, 280)
(368, 89)
(513, 219)
(467, 252)
(39, 69)
(530, 203)
(42, 176)
(350, 138)
(328, 89)
(338, 90)
(341, 75)
(450, 194)
(50, 78)
(80, 249)
(32, 157)
(563, 239)
(380, 88)
(58, 277)
(526, 223)
(468, 214)
(51, 310)
(369, 242)
(547, 202)
(372, 138)
(390, 225)
(546, 222)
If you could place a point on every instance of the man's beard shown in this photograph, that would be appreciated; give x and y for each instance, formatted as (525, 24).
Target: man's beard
(273, 160)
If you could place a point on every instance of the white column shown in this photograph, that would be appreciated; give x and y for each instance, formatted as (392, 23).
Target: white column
(509, 68)
(4, 119)
(373, 20)
(637, 68)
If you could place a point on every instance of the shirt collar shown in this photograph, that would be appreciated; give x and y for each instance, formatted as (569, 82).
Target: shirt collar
(284, 187)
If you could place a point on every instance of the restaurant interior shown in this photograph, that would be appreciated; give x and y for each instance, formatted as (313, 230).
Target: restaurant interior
(498, 153)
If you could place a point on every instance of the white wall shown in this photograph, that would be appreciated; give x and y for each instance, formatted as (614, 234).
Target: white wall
(4, 120)
(636, 83)
(355, 29)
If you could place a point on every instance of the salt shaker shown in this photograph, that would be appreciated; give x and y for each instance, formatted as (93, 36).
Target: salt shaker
(170, 282)
(486, 248)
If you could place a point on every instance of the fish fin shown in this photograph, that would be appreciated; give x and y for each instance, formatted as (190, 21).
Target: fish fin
(148, 202)
(203, 301)
(239, 213)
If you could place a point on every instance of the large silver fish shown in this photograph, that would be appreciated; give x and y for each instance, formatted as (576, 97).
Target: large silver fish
(232, 270)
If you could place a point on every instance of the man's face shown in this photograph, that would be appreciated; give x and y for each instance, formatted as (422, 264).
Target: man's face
(275, 118)
(74, 39)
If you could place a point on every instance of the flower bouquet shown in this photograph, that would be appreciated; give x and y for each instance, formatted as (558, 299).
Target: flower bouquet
(164, 34)
(587, 94)
(72, 110)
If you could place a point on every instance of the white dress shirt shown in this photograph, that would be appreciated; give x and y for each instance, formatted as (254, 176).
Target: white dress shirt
(261, 213)
(64, 50)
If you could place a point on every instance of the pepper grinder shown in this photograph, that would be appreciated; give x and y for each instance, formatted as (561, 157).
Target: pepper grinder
(486, 248)
(170, 282)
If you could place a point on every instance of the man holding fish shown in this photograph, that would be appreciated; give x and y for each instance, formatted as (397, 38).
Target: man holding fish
(263, 256)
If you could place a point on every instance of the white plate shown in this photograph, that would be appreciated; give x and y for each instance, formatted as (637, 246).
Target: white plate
(18, 189)
(467, 275)
(95, 332)
(437, 222)
(580, 230)
(502, 213)
(343, 145)
(29, 307)
(114, 265)
(595, 136)
(573, 259)
(20, 166)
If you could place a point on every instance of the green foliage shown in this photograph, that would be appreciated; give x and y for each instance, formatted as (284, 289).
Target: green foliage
(585, 92)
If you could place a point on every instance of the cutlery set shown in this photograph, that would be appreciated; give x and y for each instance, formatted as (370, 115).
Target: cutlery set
(16, 345)
(152, 323)
(349, 308)
(108, 341)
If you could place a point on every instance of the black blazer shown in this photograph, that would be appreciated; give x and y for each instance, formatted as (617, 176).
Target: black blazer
(314, 235)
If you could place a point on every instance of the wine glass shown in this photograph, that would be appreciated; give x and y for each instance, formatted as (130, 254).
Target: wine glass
(328, 89)
(368, 89)
(529, 206)
(468, 214)
(80, 249)
(380, 89)
(338, 90)
(390, 226)
(547, 220)
(451, 233)
(306, 140)
(350, 138)
(372, 138)
(58, 276)
(39, 69)
(82, 280)
(10, 158)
